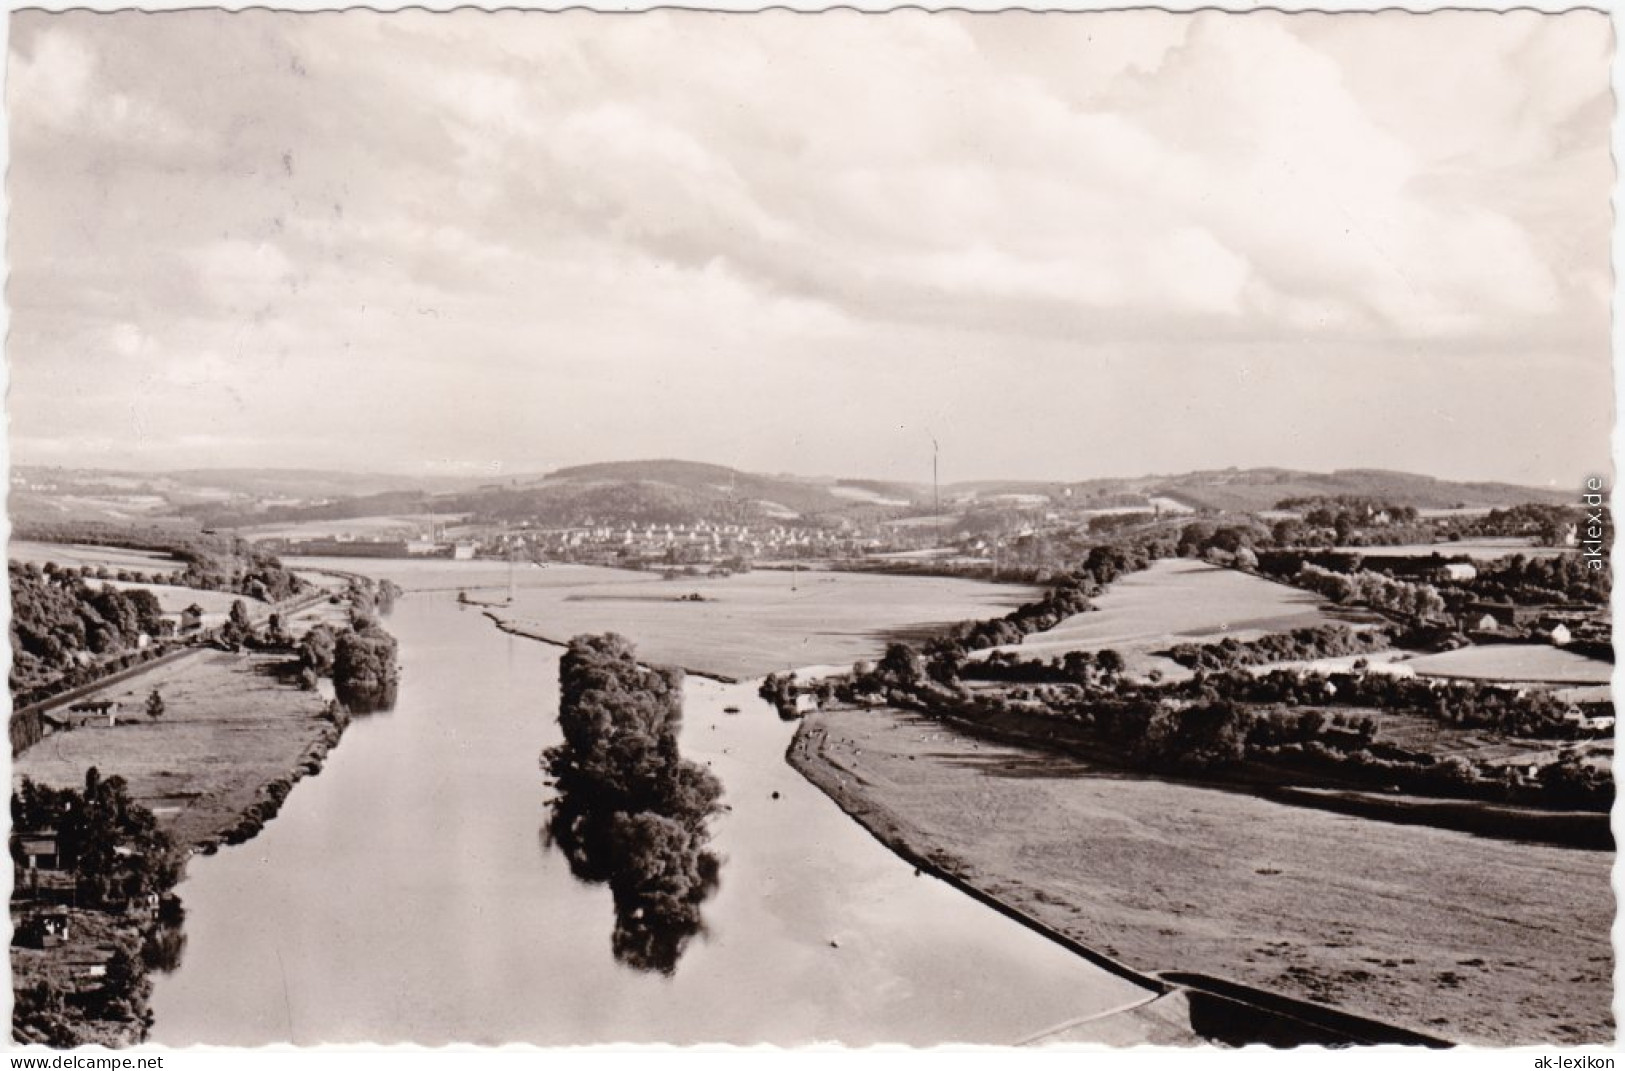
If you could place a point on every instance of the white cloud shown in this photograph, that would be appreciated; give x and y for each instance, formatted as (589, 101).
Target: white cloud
(411, 197)
(51, 85)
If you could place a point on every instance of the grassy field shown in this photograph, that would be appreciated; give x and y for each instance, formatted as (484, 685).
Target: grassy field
(1482, 549)
(1417, 732)
(77, 554)
(34, 505)
(1484, 941)
(229, 726)
(761, 622)
(745, 626)
(1525, 662)
(216, 605)
(1177, 601)
(392, 526)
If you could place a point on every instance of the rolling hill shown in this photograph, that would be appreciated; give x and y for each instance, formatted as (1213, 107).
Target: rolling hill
(674, 491)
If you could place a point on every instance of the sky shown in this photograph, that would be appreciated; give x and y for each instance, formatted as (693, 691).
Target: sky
(1060, 246)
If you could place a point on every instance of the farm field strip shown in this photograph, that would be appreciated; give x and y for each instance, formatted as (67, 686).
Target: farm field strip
(1521, 662)
(173, 599)
(78, 554)
(1174, 601)
(1481, 549)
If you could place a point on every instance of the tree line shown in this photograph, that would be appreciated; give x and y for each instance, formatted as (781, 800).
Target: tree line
(59, 622)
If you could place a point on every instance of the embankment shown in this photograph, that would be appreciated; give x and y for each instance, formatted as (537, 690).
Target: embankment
(1443, 934)
(528, 633)
(235, 736)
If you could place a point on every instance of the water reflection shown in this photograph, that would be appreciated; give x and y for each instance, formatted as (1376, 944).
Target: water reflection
(373, 697)
(165, 942)
(658, 872)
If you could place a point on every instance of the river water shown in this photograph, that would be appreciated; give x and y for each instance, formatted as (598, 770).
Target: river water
(407, 894)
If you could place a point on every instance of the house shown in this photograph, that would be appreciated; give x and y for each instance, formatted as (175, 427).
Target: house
(44, 930)
(1508, 615)
(1554, 632)
(192, 618)
(39, 850)
(98, 708)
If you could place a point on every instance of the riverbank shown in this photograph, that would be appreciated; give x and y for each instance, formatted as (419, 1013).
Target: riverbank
(419, 847)
(527, 633)
(1449, 934)
(235, 736)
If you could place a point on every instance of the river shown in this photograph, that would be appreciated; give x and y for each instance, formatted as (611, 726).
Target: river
(407, 894)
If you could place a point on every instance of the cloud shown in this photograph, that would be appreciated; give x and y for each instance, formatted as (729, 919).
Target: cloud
(53, 76)
(408, 203)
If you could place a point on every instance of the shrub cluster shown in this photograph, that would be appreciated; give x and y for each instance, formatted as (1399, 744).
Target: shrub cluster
(1299, 645)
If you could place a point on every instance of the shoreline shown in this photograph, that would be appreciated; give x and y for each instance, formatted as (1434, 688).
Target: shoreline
(289, 738)
(806, 755)
(1114, 921)
(504, 625)
(1250, 1015)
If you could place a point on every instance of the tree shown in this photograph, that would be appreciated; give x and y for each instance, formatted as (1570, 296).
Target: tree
(902, 665)
(364, 671)
(155, 704)
(239, 617)
(1197, 738)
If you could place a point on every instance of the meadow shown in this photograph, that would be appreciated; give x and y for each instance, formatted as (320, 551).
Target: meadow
(761, 622)
(1476, 939)
(1177, 600)
(741, 626)
(1481, 549)
(1530, 663)
(392, 526)
(229, 726)
(80, 554)
(172, 599)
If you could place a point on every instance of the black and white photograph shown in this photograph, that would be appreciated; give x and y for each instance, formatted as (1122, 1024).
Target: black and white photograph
(1028, 529)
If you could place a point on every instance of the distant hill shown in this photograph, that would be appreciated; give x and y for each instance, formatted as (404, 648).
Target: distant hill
(663, 491)
(1256, 489)
(1250, 490)
(226, 483)
(319, 483)
(670, 491)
